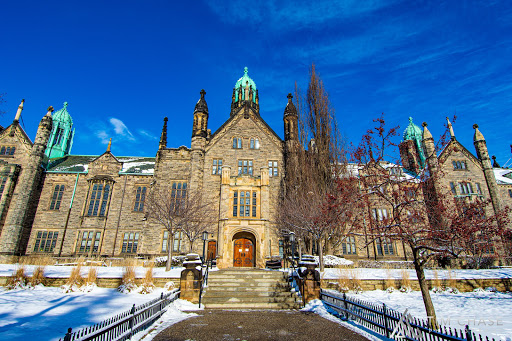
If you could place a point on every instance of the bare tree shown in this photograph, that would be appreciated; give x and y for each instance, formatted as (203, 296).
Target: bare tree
(403, 208)
(312, 168)
(177, 210)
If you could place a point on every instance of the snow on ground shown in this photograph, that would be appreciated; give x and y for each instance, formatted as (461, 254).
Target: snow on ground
(369, 273)
(330, 260)
(46, 313)
(485, 312)
(317, 307)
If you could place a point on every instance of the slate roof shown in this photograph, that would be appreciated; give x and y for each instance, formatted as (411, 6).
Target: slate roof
(80, 163)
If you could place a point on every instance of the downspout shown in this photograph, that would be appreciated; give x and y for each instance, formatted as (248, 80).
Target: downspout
(119, 217)
(69, 214)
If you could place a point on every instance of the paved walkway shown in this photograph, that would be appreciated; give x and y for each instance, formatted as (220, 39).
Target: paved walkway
(231, 325)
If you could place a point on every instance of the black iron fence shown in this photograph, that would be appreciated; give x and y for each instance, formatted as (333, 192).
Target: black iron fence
(204, 280)
(391, 323)
(126, 324)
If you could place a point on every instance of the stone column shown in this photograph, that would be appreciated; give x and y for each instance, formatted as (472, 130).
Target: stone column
(191, 279)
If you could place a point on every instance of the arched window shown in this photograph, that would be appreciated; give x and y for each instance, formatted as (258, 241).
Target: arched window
(255, 143)
(237, 143)
(98, 199)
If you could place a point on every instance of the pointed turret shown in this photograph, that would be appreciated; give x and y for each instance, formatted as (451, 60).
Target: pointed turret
(290, 120)
(483, 156)
(245, 93)
(61, 137)
(411, 148)
(200, 126)
(430, 150)
(13, 238)
(163, 136)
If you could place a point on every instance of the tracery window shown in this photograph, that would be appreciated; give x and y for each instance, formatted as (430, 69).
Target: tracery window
(99, 198)
(140, 196)
(457, 165)
(45, 241)
(57, 197)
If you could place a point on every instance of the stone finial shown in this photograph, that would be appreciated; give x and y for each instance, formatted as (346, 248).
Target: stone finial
(289, 97)
(452, 134)
(50, 110)
(109, 145)
(478, 135)
(18, 112)
(426, 132)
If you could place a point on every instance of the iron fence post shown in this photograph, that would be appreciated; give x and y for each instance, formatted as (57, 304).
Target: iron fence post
(67, 337)
(384, 313)
(468, 334)
(132, 317)
(161, 300)
(345, 305)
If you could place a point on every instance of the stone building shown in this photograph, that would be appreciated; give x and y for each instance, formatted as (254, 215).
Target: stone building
(59, 204)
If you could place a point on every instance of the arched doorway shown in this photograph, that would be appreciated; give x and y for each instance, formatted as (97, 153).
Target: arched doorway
(244, 249)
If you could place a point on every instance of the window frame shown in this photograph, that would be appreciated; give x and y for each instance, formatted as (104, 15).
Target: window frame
(98, 206)
(140, 198)
(89, 241)
(237, 143)
(254, 143)
(217, 166)
(130, 242)
(273, 168)
(177, 243)
(348, 246)
(245, 203)
(246, 169)
(48, 243)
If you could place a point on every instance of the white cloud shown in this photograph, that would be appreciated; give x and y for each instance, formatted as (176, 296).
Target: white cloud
(103, 136)
(121, 129)
(147, 134)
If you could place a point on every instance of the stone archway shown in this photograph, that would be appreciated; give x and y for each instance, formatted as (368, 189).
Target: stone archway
(244, 249)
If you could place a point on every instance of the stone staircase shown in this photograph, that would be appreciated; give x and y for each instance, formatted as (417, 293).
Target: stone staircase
(249, 289)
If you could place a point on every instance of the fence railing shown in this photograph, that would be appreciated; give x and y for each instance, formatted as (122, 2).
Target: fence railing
(124, 325)
(204, 281)
(388, 322)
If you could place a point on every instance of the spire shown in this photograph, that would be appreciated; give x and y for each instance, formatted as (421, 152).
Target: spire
(290, 107)
(426, 132)
(201, 105)
(18, 113)
(452, 134)
(163, 137)
(109, 145)
(478, 135)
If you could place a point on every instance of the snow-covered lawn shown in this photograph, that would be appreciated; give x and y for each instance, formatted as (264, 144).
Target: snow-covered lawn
(369, 273)
(488, 313)
(46, 313)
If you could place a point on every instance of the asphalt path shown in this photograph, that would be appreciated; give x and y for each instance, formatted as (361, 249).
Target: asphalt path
(231, 325)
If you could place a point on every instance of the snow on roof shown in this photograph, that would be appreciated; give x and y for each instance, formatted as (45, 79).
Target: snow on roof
(80, 163)
(503, 176)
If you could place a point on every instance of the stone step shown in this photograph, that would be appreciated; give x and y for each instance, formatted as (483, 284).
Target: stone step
(229, 294)
(276, 306)
(227, 288)
(250, 272)
(262, 281)
(248, 276)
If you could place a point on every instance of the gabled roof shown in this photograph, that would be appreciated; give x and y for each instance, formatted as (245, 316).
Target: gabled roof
(237, 115)
(80, 163)
(20, 130)
(446, 152)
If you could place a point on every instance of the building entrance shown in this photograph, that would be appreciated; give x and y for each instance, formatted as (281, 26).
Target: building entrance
(244, 252)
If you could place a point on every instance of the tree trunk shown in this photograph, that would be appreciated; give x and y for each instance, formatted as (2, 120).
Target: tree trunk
(191, 246)
(169, 251)
(427, 300)
(310, 246)
(320, 254)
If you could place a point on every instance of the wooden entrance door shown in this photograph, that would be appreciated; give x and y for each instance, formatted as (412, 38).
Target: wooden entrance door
(244, 253)
(212, 250)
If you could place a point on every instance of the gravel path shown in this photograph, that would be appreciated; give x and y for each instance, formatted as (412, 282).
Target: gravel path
(257, 325)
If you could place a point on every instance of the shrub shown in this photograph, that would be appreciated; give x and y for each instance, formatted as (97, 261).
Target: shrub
(18, 280)
(128, 281)
(38, 277)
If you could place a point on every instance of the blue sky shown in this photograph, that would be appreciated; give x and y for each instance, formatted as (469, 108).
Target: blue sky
(124, 65)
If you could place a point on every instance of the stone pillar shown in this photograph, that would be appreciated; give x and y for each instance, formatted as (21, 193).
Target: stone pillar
(310, 284)
(11, 240)
(191, 279)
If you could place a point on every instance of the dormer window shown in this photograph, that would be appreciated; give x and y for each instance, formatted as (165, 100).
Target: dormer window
(254, 143)
(237, 143)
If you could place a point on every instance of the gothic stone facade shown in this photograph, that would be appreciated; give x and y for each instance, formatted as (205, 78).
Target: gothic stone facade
(82, 205)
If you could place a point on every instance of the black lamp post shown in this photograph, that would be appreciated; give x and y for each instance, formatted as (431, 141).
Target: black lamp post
(292, 240)
(205, 238)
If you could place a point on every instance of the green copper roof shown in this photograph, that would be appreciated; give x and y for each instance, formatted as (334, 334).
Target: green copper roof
(62, 115)
(415, 134)
(245, 81)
